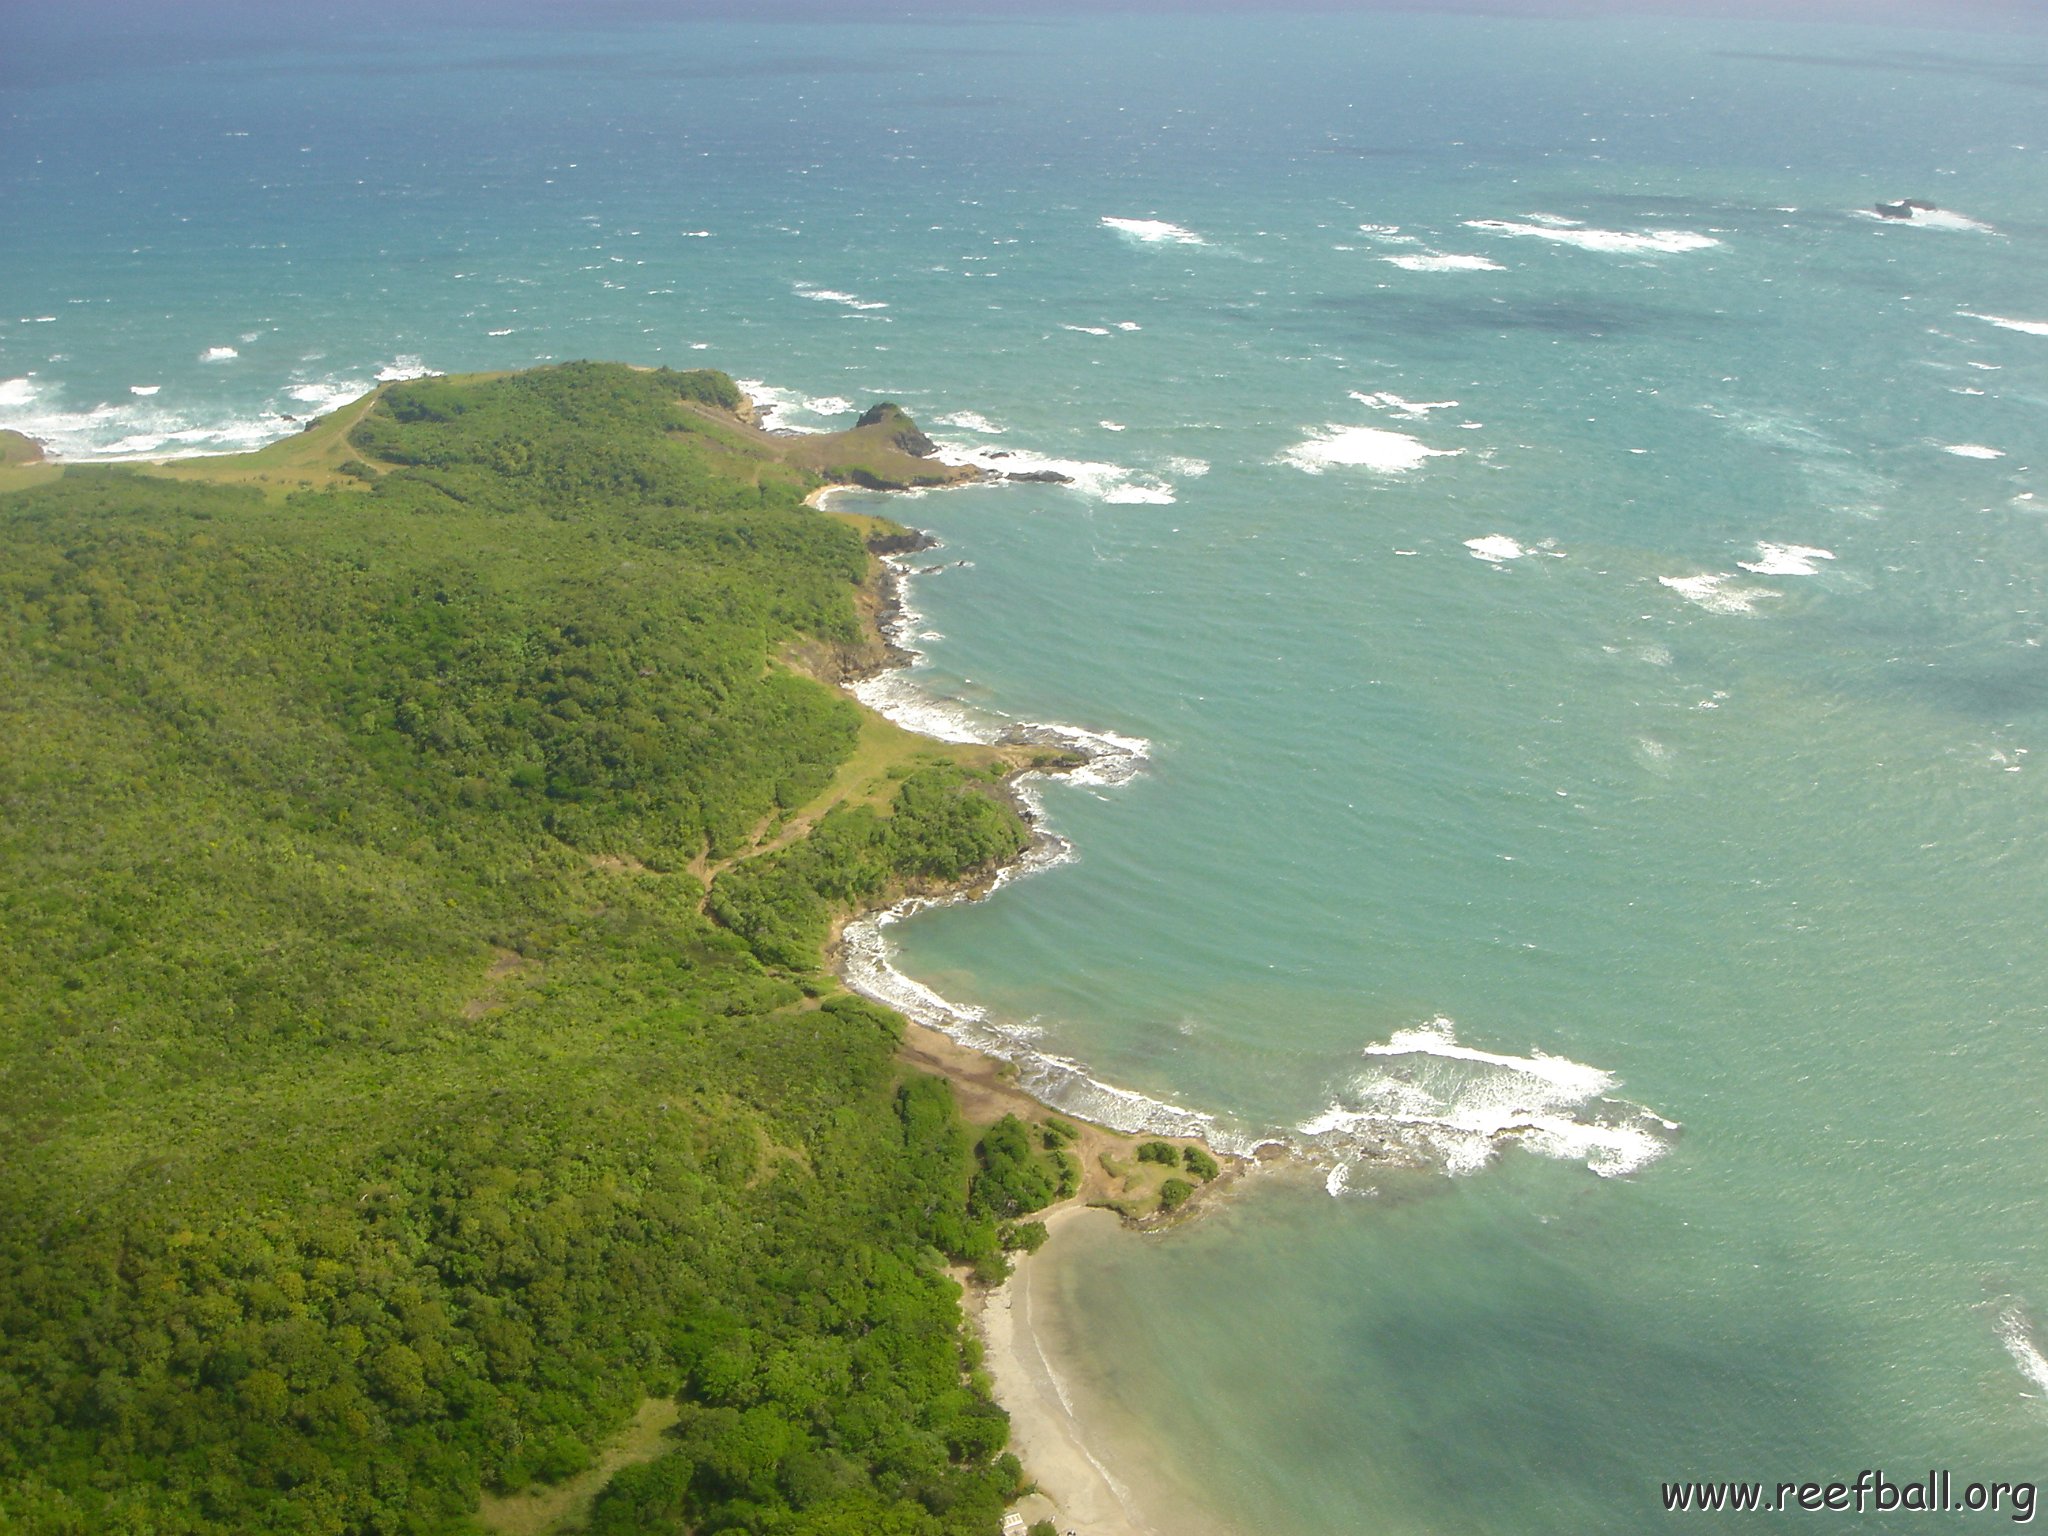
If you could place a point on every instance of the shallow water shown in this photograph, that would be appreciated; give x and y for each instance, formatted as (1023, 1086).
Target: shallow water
(1664, 714)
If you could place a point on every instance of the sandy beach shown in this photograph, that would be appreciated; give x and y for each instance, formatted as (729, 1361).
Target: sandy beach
(1077, 1492)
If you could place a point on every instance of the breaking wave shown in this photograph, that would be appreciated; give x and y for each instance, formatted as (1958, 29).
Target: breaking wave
(1427, 1099)
(1659, 242)
(834, 296)
(1713, 593)
(1337, 445)
(2018, 1338)
(1786, 560)
(1442, 261)
(1115, 484)
(2024, 327)
(1153, 232)
(786, 410)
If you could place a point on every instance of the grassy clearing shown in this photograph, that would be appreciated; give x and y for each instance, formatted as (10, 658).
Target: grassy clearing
(545, 1509)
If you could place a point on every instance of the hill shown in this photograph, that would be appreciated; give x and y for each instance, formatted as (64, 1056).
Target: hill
(415, 846)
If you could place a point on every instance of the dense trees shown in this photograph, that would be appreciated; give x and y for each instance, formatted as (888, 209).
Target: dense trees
(382, 1116)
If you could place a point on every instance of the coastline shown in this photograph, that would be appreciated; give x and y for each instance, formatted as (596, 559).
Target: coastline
(1072, 1486)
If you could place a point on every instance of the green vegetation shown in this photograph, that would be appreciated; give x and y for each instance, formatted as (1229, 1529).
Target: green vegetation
(1159, 1152)
(1174, 1193)
(1199, 1163)
(414, 1054)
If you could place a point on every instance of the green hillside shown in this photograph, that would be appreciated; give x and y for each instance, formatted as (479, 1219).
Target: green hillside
(385, 1112)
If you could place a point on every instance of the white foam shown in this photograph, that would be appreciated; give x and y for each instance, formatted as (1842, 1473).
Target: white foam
(1112, 483)
(1192, 469)
(1430, 1099)
(1931, 218)
(219, 355)
(1128, 325)
(1713, 593)
(133, 428)
(1112, 426)
(1442, 261)
(1414, 410)
(2018, 1339)
(1786, 560)
(784, 410)
(1390, 453)
(505, 332)
(1660, 242)
(834, 296)
(404, 367)
(2024, 327)
(1087, 330)
(971, 421)
(1495, 548)
(144, 390)
(1153, 232)
(1973, 451)
(328, 394)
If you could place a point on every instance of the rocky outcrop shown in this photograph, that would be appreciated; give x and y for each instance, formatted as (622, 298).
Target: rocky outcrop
(1905, 208)
(903, 433)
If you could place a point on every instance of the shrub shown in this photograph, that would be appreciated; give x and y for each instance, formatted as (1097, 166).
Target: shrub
(1173, 1194)
(1158, 1152)
(1199, 1163)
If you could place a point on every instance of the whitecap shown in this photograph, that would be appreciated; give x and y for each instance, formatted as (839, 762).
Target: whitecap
(1646, 242)
(1128, 325)
(1416, 410)
(1442, 261)
(1713, 593)
(1390, 453)
(1931, 218)
(144, 390)
(834, 296)
(2019, 1342)
(781, 410)
(1087, 330)
(1973, 451)
(219, 355)
(1428, 1098)
(971, 421)
(405, 367)
(1192, 469)
(1112, 426)
(1495, 548)
(17, 392)
(1113, 483)
(328, 394)
(2024, 327)
(506, 332)
(1153, 232)
(1786, 560)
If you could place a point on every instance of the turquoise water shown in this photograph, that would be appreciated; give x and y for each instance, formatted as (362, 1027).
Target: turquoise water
(1758, 855)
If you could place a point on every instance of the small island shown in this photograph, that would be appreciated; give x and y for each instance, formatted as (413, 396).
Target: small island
(429, 1105)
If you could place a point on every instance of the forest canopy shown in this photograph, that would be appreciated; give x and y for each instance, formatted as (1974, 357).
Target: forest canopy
(405, 1070)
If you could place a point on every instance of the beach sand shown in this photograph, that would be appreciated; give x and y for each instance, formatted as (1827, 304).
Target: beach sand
(1077, 1492)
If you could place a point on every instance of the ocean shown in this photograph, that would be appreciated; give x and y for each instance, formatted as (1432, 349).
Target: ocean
(1563, 581)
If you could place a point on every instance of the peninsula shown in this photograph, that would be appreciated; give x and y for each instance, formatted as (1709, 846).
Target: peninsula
(425, 1104)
